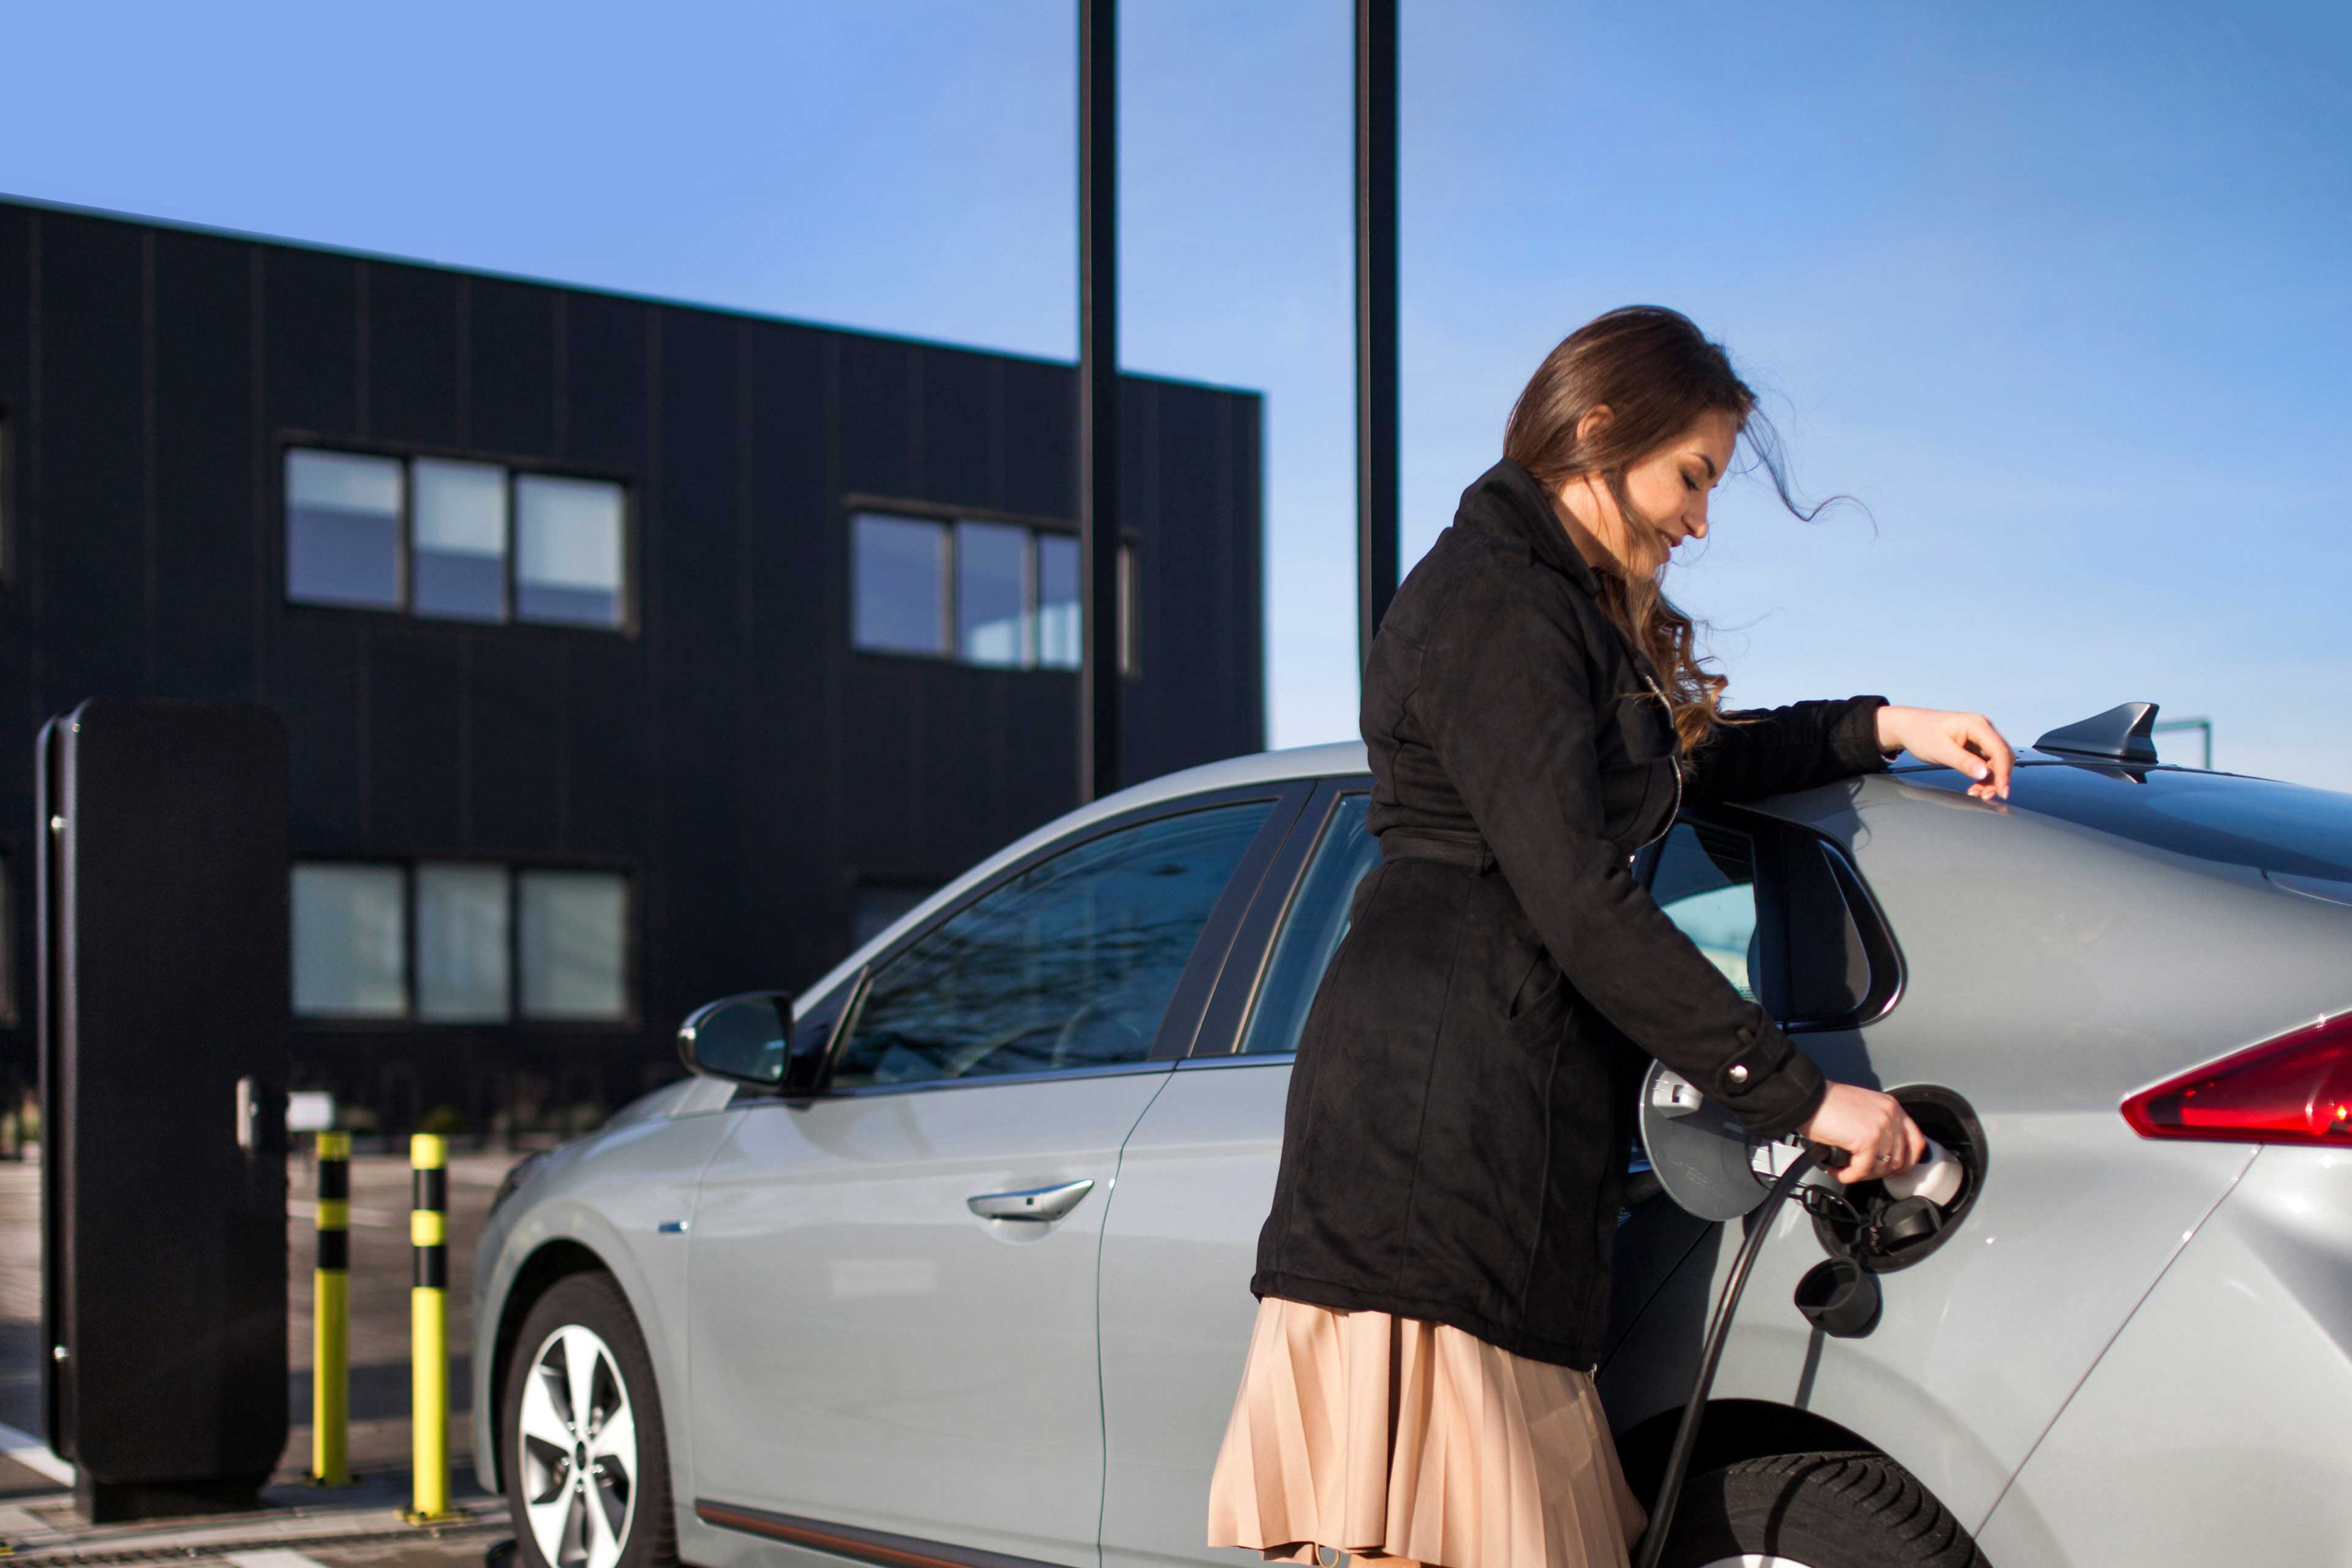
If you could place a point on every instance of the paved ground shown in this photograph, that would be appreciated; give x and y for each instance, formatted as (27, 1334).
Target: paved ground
(303, 1525)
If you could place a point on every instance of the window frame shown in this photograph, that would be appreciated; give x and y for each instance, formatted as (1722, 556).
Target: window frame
(1226, 1019)
(1179, 1024)
(632, 1018)
(1128, 586)
(512, 466)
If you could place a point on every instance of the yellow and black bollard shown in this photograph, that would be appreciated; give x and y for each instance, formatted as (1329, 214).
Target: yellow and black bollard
(428, 1315)
(330, 1318)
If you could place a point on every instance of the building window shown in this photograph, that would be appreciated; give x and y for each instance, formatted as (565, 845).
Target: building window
(993, 613)
(995, 593)
(455, 541)
(351, 957)
(901, 576)
(459, 943)
(1058, 602)
(342, 529)
(462, 951)
(575, 939)
(461, 554)
(569, 551)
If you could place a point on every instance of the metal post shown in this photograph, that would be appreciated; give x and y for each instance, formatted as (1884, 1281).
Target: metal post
(330, 1313)
(428, 1316)
(1098, 666)
(1377, 422)
(2204, 728)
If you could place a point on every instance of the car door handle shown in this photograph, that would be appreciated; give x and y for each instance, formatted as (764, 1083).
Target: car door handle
(1031, 1203)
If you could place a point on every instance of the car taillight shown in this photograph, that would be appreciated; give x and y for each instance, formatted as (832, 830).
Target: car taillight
(2296, 1088)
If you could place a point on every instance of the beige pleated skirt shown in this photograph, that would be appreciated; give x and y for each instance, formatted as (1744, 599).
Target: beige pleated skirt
(1391, 1438)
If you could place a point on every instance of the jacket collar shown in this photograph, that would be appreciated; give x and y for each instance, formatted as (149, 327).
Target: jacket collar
(1507, 503)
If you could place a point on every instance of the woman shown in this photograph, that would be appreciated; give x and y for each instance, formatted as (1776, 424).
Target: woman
(1434, 1277)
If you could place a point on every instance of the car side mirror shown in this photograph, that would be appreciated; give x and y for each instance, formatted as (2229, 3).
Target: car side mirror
(747, 1038)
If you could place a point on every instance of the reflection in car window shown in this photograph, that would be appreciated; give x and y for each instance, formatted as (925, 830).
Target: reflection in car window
(1705, 882)
(1068, 964)
(1311, 930)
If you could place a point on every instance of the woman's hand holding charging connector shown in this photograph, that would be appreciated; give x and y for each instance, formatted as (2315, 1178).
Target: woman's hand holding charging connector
(1877, 1134)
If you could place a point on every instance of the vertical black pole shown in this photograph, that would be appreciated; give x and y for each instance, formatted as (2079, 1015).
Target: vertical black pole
(1098, 669)
(1376, 316)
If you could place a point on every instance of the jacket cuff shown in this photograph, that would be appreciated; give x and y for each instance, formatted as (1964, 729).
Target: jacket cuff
(1768, 1084)
(1854, 739)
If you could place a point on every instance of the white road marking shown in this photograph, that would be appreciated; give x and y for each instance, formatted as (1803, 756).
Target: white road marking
(273, 1557)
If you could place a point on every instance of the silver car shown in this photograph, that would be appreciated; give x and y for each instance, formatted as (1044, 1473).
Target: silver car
(946, 1261)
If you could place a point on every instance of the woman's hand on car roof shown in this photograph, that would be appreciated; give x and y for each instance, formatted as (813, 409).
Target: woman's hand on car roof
(1967, 742)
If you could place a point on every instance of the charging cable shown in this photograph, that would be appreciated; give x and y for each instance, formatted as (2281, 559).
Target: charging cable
(1662, 1513)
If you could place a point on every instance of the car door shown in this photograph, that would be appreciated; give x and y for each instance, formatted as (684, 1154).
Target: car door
(893, 1281)
(1193, 1187)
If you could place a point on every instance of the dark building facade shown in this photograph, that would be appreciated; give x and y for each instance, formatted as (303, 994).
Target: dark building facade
(629, 653)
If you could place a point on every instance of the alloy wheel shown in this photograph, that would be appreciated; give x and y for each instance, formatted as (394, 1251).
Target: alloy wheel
(578, 1451)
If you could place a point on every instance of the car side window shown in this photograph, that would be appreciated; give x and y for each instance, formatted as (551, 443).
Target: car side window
(1312, 929)
(1068, 964)
(1705, 883)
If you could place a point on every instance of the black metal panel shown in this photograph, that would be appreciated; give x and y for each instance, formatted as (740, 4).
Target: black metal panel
(17, 245)
(1243, 517)
(1039, 782)
(612, 789)
(166, 1238)
(1041, 453)
(960, 428)
(881, 428)
(310, 324)
(797, 641)
(514, 707)
(888, 823)
(605, 345)
(695, 721)
(415, 738)
(322, 697)
(93, 494)
(209, 524)
(413, 392)
(510, 366)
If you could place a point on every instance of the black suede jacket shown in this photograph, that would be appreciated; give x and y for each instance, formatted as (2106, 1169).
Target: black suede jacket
(1455, 1145)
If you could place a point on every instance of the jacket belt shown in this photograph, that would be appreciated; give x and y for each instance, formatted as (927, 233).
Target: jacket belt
(1467, 851)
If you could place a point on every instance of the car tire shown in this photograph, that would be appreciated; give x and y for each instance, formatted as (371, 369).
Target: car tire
(1816, 1511)
(615, 1511)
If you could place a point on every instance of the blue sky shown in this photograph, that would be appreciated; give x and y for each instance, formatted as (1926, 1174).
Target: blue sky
(2058, 292)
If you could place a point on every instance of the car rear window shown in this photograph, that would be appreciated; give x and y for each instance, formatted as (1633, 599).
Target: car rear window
(2283, 830)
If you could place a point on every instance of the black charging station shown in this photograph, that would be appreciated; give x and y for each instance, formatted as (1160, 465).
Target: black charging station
(162, 1018)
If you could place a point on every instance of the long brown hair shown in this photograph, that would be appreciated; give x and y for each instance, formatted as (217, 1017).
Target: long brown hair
(1658, 373)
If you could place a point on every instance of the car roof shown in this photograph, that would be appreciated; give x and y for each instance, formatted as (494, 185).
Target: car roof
(1336, 758)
